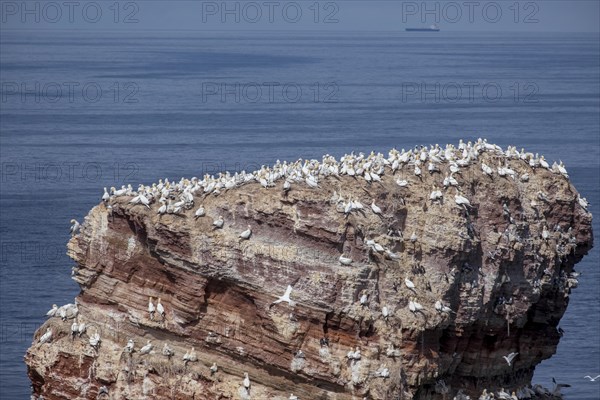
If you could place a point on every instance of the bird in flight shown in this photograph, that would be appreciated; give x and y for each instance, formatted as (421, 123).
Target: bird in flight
(592, 379)
(510, 357)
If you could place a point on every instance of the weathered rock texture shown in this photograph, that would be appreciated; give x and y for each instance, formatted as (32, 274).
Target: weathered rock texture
(217, 291)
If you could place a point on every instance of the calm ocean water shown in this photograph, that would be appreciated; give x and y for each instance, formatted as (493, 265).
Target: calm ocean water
(79, 112)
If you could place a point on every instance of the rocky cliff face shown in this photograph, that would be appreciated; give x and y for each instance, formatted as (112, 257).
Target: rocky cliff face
(500, 268)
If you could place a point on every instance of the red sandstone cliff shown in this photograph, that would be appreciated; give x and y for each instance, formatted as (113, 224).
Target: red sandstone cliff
(217, 290)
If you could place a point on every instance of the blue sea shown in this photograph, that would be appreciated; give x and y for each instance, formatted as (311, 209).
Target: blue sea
(89, 110)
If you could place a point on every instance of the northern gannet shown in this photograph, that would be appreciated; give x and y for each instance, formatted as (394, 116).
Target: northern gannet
(375, 208)
(74, 329)
(292, 397)
(402, 182)
(582, 202)
(160, 309)
(129, 347)
(510, 357)
(95, 340)
(557, 387)
(287, 185)
(591, 379)
(147, 348)
(105, 196)
(167, 351)
(214, 368)
(385, 312)
(151, 308)
(383, 372)
(286, 297)
(190, 356)
(364, 299)
(52, 311)
(312, 181)
(246, 382)
(461, 200)
(74, 227)
(413, 237)
(218, 223)
(246, 234)
(486, 169)
(439, 306)
(199, 212)
(345, 260)
(46, 337)
(413, 306)
(409, 284)
(81, 328)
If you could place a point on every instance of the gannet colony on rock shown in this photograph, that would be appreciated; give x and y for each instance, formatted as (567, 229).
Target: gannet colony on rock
(433, 273)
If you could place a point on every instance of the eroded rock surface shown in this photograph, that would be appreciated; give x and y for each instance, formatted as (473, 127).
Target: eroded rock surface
(501, 265)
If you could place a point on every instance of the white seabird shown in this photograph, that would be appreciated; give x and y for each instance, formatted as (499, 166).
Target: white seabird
(246, 382)
(199, 212)
(74, 227)
(286, 297)
(375, 208)
(439, 306)
(413, 306)
(160, 309)
(292, 397)
(46, 336)
(214, 368)
(147, 348)
(129, 347)
(413, 237)
(74, 329)
(385, 312)
(190, 356)
(105, 196)
(363, 299)
(345, 260)
(95, 340)
(510, 357)
(461, 200)
(218, 223)
(81, 328)
(151, 308)
(409, 284)
(52, 311)
(591, 379)
(167, 351)
(246, 234)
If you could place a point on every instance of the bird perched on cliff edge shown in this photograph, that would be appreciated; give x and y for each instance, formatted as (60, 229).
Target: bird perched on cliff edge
(214, 368)
(167, 351)
(74, 227)
(129, 347)
(52, 311)
(95, 340)
(147, 348)
(218, 223)
(160, 309)
(246, 234)
(246, 382)
(151, 308)
(46, 336)
(345, 260)
(375, 208)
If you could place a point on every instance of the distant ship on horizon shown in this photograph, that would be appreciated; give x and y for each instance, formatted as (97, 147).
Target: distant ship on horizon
(432, 28)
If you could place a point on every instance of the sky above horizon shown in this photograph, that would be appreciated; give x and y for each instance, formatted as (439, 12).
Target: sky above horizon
(299, 15)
